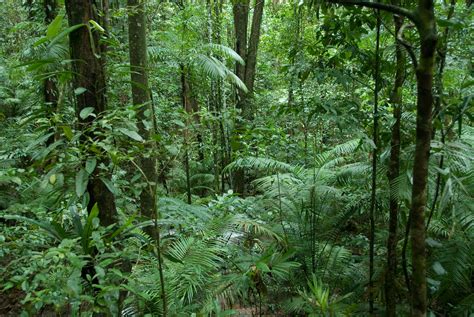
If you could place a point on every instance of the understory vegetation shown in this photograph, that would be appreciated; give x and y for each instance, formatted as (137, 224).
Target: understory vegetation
(236, 158)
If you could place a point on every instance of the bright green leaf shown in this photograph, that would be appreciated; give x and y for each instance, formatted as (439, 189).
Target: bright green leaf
(96, 26)
(86, 112)
(131, 134)
(82, 178)
(90, 164)
(109, 185)
(67, 132)
(54, 27)
(79, 90)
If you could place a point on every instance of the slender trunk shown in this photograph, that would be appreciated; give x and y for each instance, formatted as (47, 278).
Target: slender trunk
(373, 200)
(88, 73)
(240, 11)
(294, 54)
(251, 60)
(424, 19)
(248, 51)
(213, 24)
(393, 174)
(241, 16)
(141, 95)
(437, 114)
(187, 106)
(424, 75)
(441, 63)
(50, 88)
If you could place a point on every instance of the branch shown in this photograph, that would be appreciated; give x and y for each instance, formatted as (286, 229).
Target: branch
(408, 47)
(381, 6)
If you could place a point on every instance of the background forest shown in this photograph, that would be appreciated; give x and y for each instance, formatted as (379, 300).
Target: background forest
(247, 158)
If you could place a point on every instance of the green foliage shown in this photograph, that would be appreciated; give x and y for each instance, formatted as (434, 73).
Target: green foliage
(299, 231)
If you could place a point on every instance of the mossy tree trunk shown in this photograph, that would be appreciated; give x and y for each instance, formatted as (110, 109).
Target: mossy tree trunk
(424, 75)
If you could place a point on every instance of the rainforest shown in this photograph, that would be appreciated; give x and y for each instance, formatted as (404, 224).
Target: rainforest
(237, 158)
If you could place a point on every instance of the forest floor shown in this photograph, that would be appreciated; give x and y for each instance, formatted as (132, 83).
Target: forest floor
(10, 302)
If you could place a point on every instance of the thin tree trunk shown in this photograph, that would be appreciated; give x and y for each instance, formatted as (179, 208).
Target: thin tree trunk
(50, 88)
(187, 106)
(373, 199)
(393, 174)
(424, 75)
(254, 40)
(437, 114)
(441, 61)
(240, 11)
(88, 73)
(424, 19)
(248, 51)
(141, 95)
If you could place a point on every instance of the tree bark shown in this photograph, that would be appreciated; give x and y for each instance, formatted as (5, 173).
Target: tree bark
(373, 198)
(188, 107)
(254, 40)
(141, 97)
(240, 11)
(424, 75)
(247, 49)
(89, 74)
(393, 173)
(50, 88)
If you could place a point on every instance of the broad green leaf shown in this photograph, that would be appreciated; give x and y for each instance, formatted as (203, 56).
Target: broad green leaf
(54, 27)
(67, 132)
(90, 164)
(88, 111)
(82, 178)
(80, 90)
(131, 134)
(109, 185)
(65, 32)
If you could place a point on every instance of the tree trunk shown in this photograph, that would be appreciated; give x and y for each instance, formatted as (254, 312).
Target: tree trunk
(240, 11)
(89, 74)
(373, 198)
(141, 97)
(187, 106)
(254, 40)
(248, 52)
(425, 21)
(50, 88)
(424, 76)
(393, 173)
(438, 101)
